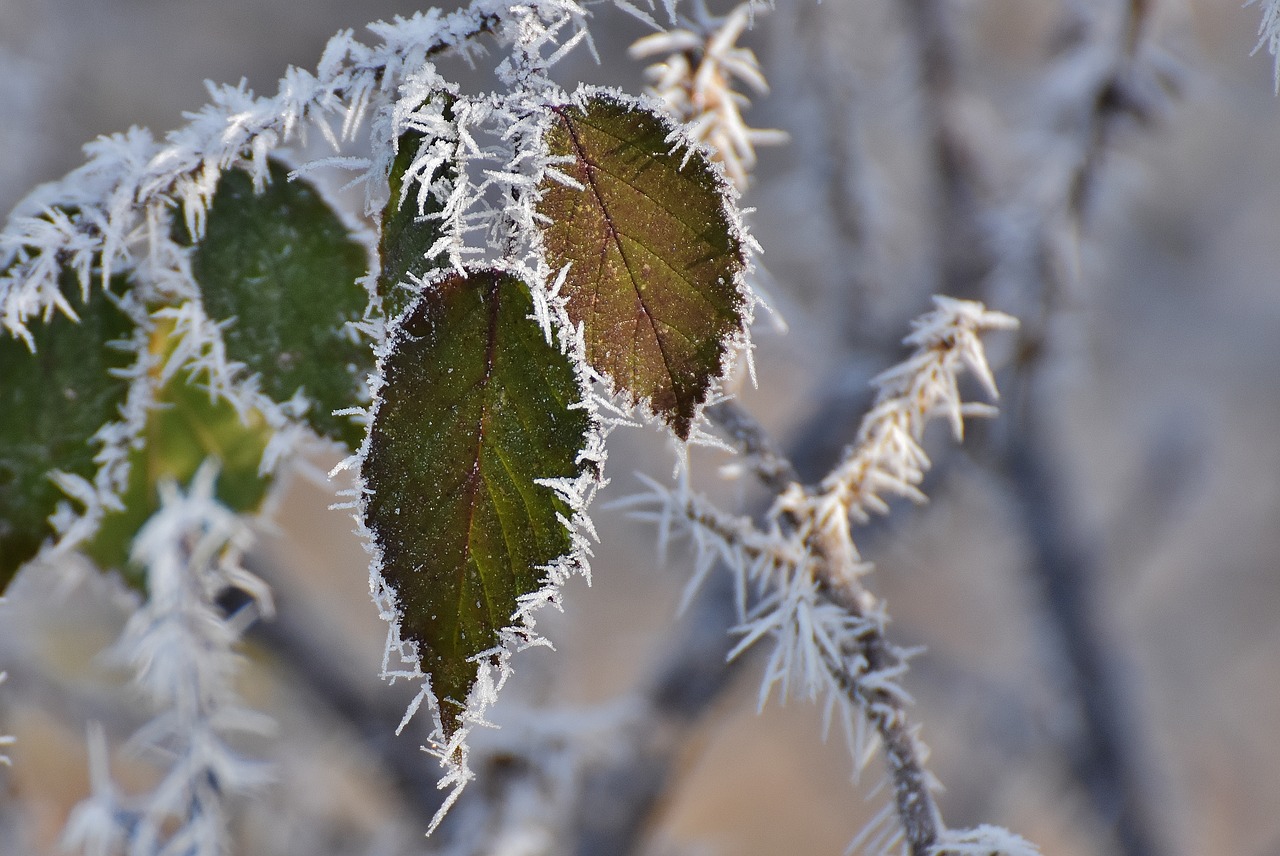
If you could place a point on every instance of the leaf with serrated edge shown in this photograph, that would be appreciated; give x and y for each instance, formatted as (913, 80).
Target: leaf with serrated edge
(653, 255)
(52, 402)
(282, 268)
(476, 408)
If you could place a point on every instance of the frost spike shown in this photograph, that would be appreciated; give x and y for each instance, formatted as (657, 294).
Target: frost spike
(407, 237)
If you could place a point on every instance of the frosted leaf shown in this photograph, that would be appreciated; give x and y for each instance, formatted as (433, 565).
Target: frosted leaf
(476, 414)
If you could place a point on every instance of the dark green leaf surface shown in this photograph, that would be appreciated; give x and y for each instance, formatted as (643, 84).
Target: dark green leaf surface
(283, 266)
(184, 428)
(51, 403)
(406, 235)
(652, 252)
(476, 408)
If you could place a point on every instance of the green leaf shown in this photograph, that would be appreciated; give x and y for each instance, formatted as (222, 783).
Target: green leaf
(282, 268)
(653, 255)
(476, 408)
(407, 235)
(52, 402)
(185, 427)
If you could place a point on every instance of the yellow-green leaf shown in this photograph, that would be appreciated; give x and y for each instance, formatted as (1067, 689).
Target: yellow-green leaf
(186, 426)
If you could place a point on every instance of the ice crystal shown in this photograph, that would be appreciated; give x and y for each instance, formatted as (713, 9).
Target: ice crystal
(984, 840)
(697, 80)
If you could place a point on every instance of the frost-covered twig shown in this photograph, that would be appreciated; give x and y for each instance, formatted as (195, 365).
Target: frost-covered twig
(828, 630)
(107, 214)
(887, 460)
(697, 78)
(181, 648)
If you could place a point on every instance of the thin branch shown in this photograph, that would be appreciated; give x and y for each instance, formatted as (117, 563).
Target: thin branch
(753, 443)
(868, 653)
(814, 540)
(913, 785)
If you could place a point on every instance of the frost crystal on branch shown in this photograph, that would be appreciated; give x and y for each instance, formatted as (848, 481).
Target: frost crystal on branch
(804, 570)
(887, 459)
(180, 646)
(984, 840)
(696, 81)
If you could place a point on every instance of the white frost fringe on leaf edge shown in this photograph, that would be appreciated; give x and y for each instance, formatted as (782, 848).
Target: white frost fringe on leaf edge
(738, 344)
(510, 128)
(499, 147)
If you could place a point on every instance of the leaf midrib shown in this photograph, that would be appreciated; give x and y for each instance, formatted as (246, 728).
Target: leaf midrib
(476, 476)
(589, 168)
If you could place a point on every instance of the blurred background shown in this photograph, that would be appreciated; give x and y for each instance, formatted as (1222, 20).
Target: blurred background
(1095, 580)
